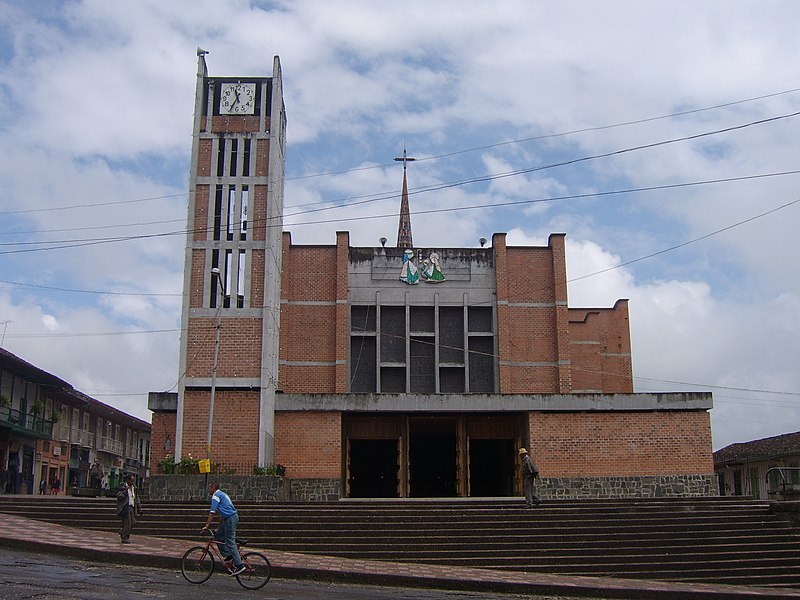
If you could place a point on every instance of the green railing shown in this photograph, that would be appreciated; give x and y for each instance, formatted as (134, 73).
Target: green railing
(26, 424)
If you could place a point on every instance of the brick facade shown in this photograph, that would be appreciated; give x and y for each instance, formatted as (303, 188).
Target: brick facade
(621, 444)
(496, 338)
(309, 444)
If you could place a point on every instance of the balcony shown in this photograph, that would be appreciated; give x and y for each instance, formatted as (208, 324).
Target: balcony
(81, 437)
(107, 444)
(61, 432)
(25, 424)
(73, 435)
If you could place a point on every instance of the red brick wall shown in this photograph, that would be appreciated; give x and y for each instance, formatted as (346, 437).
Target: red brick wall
(309, 331)
(258, 218)
(257, 278)
(601, 349)
(309, 444)
(600, 444)
(239, 347)
(235, 124)
(162, 427)
(204, 158)
(262, 156)
(530, 333)
(198, 276)
(234, 432)
(201, 213)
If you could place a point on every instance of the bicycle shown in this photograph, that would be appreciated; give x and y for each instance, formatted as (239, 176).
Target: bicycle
(197, 564)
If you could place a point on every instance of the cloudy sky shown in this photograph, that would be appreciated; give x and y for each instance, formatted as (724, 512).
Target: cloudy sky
(661, 137)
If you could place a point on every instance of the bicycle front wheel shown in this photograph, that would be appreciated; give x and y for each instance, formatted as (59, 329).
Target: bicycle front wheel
(197, 564)
(257, 572)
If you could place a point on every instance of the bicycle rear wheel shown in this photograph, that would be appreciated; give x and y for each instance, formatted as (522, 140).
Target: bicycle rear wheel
(257, 572)
(197, 564)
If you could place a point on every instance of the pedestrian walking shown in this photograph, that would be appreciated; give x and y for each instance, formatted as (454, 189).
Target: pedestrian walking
(55, 486)
(128, 507)
(529, 472)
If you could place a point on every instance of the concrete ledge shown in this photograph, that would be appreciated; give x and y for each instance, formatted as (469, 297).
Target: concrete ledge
(493, 402)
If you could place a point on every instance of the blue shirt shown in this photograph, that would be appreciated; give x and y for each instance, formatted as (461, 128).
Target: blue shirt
(221, 503)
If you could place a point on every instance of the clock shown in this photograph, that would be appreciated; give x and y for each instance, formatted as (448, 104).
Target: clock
(237, 99)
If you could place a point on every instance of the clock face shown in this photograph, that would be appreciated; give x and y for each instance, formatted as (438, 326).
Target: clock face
(237, 98)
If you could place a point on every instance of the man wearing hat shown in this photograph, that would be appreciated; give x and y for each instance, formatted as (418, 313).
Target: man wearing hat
(529, 473)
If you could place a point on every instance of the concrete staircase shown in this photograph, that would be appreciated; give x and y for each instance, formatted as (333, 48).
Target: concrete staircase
(711, 540)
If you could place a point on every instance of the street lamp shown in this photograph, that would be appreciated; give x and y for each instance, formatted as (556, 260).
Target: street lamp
(215, 275)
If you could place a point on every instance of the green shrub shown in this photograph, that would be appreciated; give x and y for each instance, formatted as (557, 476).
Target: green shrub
(274, 470)
(167, 465)
(188, 465)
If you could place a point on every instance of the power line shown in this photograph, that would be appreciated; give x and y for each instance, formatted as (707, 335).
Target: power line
(556, 135)
(374, 197)
(686, 243)
(632, 261)
(90, 228)
(87, 205)
(426, 342)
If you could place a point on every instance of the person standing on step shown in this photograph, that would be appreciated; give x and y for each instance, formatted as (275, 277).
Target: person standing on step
(222, 508)
(128, 507)
(529, 472)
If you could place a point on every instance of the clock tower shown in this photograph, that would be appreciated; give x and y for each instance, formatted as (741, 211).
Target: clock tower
(231, 290)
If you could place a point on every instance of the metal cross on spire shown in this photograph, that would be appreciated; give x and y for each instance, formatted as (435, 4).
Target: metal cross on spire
(404, 227)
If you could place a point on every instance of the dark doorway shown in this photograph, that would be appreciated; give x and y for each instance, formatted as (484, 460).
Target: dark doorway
(373, 469)
(432, 460)
(491, 467)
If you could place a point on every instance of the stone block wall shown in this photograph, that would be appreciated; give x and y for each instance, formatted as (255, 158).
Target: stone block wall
(315, 490)
(245, 488)
(659, 486)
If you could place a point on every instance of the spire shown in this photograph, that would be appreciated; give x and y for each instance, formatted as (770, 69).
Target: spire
(404, 227)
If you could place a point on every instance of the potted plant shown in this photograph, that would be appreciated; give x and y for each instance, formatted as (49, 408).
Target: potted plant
(37, 408)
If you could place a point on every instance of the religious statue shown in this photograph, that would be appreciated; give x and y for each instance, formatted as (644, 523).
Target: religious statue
(431, 269)
(409, 273)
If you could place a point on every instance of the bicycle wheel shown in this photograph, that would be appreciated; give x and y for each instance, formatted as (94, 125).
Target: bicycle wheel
(257, 573)
(197, 564)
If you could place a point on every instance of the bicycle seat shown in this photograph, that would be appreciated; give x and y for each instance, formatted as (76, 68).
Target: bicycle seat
(240, 542)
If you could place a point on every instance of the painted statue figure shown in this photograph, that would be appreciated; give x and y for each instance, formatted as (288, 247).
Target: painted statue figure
(432, 270)
(409, 273)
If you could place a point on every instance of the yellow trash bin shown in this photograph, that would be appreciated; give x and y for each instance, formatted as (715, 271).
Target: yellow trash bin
(205, 465)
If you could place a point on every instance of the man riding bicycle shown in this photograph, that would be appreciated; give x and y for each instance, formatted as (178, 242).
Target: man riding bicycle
(222, 508)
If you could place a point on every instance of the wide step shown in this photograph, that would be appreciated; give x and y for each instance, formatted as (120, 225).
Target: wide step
(710, 540)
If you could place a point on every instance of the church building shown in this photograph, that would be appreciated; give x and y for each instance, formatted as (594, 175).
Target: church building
(397, 371)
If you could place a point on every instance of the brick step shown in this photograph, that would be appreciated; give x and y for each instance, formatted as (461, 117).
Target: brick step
(542, 513)
(630, 562)
(272, 525)
(273, 532)
(278, 526)
(476, 549)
